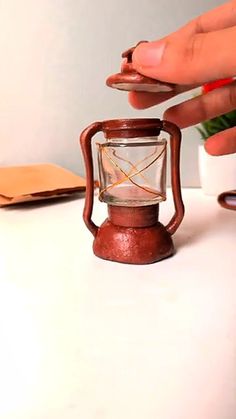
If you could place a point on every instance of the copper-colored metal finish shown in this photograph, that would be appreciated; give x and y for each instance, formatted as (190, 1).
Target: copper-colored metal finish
(133, 234)
(134, 81)
(131, 128)
(228, 200)
(133, 245)
(130, 80)
(133, 216)
(86, 146)
(175, 141)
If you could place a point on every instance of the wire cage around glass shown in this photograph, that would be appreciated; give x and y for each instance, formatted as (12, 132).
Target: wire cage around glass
(132, 172)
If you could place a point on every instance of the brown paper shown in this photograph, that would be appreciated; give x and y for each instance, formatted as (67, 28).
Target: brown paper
(37, 182)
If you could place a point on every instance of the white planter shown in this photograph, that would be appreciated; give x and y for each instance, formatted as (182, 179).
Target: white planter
(217, 173)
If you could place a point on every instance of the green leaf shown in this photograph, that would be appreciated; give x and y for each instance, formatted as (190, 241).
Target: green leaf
(202, 132)
(218, 124)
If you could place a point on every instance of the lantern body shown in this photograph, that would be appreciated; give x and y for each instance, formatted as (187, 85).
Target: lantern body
(132, 171)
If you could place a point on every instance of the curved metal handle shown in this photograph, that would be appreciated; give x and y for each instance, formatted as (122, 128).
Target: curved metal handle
(86, 146)
(175, 140)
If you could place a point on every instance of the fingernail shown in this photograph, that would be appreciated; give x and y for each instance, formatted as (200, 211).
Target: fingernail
(148, 55)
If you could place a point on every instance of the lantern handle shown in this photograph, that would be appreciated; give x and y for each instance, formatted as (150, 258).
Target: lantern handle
(175, 141)
(86, 146)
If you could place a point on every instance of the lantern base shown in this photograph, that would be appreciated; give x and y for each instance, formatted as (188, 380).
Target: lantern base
(133, 245)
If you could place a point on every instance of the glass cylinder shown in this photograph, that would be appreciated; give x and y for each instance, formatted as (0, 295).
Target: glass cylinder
(132, 171)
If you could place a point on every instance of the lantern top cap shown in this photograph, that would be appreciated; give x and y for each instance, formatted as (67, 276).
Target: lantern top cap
(130, 80)
(132, 128)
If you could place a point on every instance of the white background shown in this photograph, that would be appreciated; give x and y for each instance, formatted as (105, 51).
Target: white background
(84, 338)
(55, 57)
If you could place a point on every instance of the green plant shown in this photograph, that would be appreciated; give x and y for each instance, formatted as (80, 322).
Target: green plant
(218, 124)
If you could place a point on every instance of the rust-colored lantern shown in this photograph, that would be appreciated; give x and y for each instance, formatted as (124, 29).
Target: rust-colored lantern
(132, 168)
(132, 179)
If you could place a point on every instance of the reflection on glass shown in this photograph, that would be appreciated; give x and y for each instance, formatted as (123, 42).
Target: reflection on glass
(132, 171)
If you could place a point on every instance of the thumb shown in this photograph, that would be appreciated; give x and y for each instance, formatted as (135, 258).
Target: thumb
(184, 58)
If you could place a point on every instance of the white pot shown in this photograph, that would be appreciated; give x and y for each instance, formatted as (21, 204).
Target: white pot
(217, 173)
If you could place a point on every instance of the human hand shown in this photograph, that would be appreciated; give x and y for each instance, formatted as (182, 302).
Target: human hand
(202, 51)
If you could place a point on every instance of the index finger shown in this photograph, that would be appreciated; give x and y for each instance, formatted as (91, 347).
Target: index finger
(221, 17)
(143, 100)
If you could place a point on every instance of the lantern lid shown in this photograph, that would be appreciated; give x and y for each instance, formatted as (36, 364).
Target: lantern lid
(130, 80)
(132, 128)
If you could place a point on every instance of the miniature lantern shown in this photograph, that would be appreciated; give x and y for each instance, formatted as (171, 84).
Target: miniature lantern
(132, 181)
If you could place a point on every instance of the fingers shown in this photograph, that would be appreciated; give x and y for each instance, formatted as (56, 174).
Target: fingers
(203, 107)
(188, 59)
(223, 142)
(219, 18)
(143, 100)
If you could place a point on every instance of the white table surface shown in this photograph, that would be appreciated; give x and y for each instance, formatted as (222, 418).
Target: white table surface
(82, 338)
